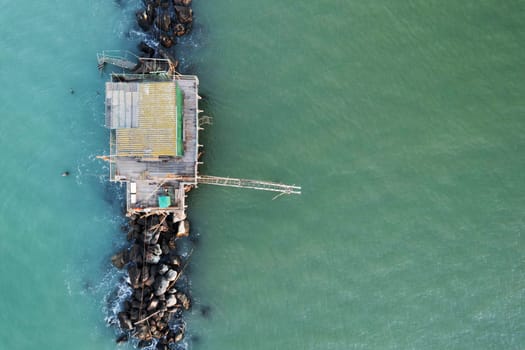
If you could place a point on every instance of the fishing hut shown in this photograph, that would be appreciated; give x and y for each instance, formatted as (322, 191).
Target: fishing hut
(153, 118)
(153, 123)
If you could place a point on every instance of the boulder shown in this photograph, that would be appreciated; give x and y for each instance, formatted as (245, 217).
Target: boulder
(186, 303)
(166, 41)
(122, 338)
(136, 304)
(144, 273)
(179, 335)
(124, 321)
(119, 260)
(153, 305)
(155, 238)
(162, 269)
(171, 243)
(183, 229)
(150, 11)
(171, 300)
(155, 249)
(181, 2)
(165, 248)
(160, 285)
(184, 14)
(143, 20)
(171, 275)
(135, 253)
(147, 50)
(134, 276)
(148, 236)
(173, 260)
(152, 258)
(179, 29)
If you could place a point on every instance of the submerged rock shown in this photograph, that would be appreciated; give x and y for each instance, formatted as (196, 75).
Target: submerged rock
(124, 321)
(122, 339)
(119, 260)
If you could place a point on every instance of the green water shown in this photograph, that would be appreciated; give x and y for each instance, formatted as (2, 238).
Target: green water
(403, 122)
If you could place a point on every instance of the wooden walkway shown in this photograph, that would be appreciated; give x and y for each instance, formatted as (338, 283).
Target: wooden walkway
(118, 61)
(252, 184)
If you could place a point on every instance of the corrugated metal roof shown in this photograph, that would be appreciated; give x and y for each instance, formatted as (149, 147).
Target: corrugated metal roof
(121, 105)
(144, 116)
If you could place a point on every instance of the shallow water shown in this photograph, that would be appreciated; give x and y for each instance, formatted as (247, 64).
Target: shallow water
(402, 122)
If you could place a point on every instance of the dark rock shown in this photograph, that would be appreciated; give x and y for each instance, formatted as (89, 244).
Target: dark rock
(162, 269)
(181, 2)
(205, 311)
(145, 48)
(186, 303)
(145, 273)
(148, 235)
(145, 343)
(124, 321)
(183, 229)
(135, 253)
(143, 20)
(171, 242)
(179, 334)
(122, 338)
(153, 305)
(126, 306)
(166, 41)
(171, 300)
(152, 258)
(179, 29)
(160, 285)
(173, 260)
(136, 304)
(155, 238)
(184, 14)
(134, 315)
(149, 282)
(119, 260)
(134, 276)
(165, 248)
(150, 11)
(155, 249)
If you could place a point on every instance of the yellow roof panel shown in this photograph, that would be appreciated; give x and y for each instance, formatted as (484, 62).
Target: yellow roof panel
(156, 134)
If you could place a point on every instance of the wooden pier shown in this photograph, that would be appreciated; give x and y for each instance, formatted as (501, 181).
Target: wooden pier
(153, 119)
(251, 184)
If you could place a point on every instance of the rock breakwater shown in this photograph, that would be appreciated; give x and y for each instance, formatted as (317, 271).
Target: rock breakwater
(155, 266)
(166, 20)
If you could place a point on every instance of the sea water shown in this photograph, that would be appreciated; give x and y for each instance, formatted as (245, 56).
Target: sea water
(403, 122)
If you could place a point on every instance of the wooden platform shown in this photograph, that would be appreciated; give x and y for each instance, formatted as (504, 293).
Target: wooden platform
(156, 173)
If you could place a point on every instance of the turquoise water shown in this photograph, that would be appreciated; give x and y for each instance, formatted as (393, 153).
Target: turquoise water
(403, 122)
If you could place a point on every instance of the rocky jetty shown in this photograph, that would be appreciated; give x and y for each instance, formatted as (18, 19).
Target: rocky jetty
(153, 312)
(165, 20)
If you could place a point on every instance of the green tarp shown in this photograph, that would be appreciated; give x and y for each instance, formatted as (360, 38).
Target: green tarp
(164, 201)
(180, 124)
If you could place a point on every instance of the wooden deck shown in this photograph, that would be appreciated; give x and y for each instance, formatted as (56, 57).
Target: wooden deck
(135, 168)
(155, 175)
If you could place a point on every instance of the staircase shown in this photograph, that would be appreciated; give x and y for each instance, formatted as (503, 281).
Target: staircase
(113, 58)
